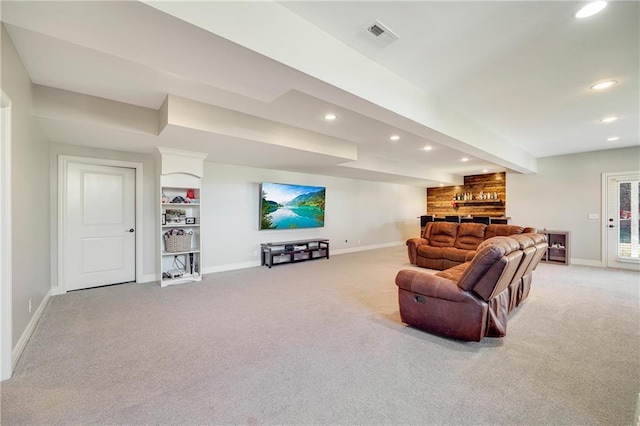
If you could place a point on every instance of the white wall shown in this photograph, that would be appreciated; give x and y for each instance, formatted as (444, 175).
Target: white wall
(150, 212)
(563, 192)
(30, 195)
(365, 214)
(359, 214)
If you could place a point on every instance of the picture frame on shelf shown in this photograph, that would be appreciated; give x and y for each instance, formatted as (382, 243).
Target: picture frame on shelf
(163, 220)
(176, 216)
(190, 221)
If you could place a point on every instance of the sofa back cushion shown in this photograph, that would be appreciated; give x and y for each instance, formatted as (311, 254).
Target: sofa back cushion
(427, 231)
(540, 243)
(499, 230)
(443, 234)
(527, 245)
(470, 235)
(492, 268)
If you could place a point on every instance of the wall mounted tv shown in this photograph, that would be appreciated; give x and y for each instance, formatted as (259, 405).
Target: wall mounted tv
(286, 206)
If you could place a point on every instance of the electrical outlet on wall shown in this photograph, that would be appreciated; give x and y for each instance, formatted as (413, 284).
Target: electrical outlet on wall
(255, 253)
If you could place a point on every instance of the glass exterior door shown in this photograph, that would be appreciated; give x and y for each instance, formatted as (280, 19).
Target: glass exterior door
(623, 222)
(629, 226)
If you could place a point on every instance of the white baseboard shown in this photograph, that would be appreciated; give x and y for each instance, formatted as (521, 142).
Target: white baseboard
(586, 262)
(231, 267)
(254, 263)
(369, 247)
(26, 335)
(149, 278)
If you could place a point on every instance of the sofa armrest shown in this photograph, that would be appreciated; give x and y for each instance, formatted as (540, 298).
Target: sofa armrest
(470, 255)
(431, 286)
(412, 249)
(530, 230)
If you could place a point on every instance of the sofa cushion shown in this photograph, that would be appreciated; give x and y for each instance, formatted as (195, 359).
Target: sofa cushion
(455, 255)
(469, 236)
(443, 234)
(430, 252)
(454, 273)
(492, 267)
(499, 230)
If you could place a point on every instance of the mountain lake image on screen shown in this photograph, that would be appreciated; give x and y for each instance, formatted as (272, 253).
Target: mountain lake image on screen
(286, 206)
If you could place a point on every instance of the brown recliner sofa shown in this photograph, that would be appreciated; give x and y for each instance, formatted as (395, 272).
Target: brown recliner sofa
(446, 244)
(472, 300)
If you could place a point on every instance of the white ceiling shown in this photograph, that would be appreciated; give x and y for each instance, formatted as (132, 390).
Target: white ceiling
(501, 83)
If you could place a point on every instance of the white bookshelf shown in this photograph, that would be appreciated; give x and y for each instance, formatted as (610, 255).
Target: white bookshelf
(180, 208)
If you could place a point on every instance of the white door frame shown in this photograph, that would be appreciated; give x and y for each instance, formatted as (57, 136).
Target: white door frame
(63, 162)
(6, 301)
(605, 206)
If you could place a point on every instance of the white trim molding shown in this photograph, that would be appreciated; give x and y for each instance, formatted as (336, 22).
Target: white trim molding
(28, 331)
(63, 164)
(6, 277)
(586, 262)
(604, 240)
(369, 247)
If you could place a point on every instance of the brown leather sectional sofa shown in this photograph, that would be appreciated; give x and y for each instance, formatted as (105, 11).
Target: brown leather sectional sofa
(472, 300)
(447, 244)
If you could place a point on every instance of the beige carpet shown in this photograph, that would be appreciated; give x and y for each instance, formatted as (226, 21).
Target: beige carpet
(321, 343)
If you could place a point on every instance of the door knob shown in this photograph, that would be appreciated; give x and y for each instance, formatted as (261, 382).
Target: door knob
(610, 219)
(611, 226)
(128, 230)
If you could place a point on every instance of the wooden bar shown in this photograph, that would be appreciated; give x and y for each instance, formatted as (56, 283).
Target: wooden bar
(440, 200)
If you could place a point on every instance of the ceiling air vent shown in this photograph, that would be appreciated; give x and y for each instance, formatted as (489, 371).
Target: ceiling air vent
(376, 30)
(382, 32)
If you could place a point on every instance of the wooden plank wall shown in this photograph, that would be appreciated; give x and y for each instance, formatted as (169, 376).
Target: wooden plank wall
(439, 198)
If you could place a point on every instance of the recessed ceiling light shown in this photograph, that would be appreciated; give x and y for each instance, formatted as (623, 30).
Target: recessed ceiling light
(442, 184)
(485, 171)
(591, 9)
(427, 148)
(613, 139)
(464, 159)
(330, 117)
(609, 119)
(603, 85)
(394, 137)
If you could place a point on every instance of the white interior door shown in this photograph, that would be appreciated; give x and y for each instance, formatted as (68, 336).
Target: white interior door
(99, 225)
(623, 221)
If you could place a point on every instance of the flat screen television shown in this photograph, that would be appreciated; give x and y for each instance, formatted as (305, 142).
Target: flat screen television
(287, 206)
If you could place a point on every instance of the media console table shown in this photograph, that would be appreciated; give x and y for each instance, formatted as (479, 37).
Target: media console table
(294, 251)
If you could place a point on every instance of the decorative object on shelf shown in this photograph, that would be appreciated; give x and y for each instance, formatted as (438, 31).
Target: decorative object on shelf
(190, 221)
(177, 240)
(191, 194)
(163, 219)
(180, 200)
(176, 215)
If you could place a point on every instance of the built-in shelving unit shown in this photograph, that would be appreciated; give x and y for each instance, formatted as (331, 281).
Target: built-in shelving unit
(558, 250)
(480, 195)
(180, 229)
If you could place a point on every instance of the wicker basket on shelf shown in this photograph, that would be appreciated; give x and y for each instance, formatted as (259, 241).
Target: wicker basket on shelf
(177, 242)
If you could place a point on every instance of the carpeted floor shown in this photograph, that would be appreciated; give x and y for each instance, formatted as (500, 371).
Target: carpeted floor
(321, 343)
